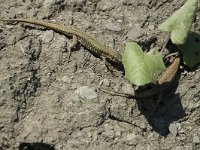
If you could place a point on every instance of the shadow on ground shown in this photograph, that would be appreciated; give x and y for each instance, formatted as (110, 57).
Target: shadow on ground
(170, 110)
(35, 146)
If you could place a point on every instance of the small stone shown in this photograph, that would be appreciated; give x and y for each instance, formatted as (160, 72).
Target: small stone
(95, 136)
(87, 93)
(48, 2)
(11, 40)
(104, 82)
(118, 133)
(128, 88)
(130, 137)
(151, 135)
(135, 33)
(66, 79)
(109, 133)
(151, 27)
(47, 36)
(113, 27)
(6, 14)
(25, 46)
(106, 5)
(173, 129)
(196, 139)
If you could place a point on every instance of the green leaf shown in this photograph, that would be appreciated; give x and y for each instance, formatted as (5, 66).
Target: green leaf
(191, 50)
(180, 22)
(141, 68)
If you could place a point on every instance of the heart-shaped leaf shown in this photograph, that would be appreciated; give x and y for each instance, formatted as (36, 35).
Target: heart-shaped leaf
(141, 68)
(180, 22)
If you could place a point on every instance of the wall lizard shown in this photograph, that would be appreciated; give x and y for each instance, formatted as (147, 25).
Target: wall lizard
(85, 39)
(94, 46)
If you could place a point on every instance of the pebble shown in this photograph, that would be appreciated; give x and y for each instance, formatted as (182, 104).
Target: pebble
(109, 133)
(11, 40)
(95, 136)
(118, 133)
(6, 14)
(66, 79)
(113, 27)
(25, 46)
(48, 2)
(130, 137)
(135, 33)
(173, 129)
(87, 93)
(151, 27)
(104, 82)
(196, 139)
(47, 36)
(128, 88)
(106, 5)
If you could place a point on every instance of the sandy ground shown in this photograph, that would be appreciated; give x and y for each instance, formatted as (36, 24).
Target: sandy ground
(48, 102)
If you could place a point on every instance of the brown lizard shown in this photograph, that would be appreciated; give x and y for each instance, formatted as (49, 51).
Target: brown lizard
(164, 81)
(94, 46)
(86, 40)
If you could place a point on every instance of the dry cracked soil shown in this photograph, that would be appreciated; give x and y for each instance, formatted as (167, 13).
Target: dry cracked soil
(52, 103)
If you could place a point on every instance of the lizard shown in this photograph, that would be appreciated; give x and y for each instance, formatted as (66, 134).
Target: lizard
(96, 47)
(163, 83)
(85, 39)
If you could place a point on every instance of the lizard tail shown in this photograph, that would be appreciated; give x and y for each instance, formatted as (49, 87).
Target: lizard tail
(53, 26)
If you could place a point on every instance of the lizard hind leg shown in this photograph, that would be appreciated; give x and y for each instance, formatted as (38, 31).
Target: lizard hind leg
(73, 44)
